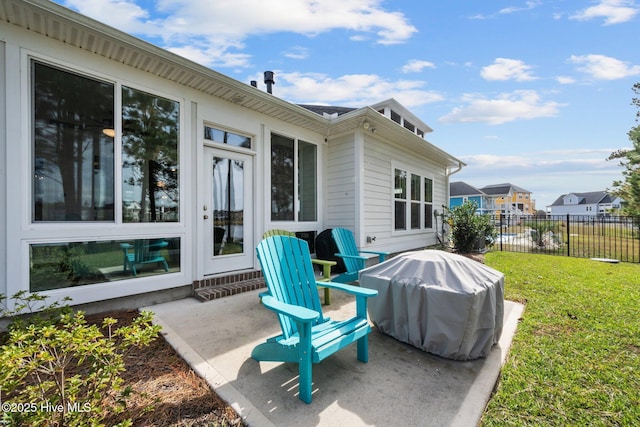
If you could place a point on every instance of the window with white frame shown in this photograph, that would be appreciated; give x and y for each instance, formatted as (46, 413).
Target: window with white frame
(294, 175)
(413, 201)
(73, 161)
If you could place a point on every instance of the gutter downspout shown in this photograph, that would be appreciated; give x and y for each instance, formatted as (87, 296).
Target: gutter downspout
(447, 175)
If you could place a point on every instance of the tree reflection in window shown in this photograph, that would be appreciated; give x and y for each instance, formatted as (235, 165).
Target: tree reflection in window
(150, 128)
(72, 156)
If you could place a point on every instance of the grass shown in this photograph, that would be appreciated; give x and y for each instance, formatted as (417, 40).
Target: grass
(575, 358)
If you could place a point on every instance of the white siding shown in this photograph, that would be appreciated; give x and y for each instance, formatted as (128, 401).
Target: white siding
(379, 160)
(341, 184)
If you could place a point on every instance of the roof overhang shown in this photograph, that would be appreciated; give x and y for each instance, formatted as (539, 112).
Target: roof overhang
(59, 23)
(391, 131)
(73, 29)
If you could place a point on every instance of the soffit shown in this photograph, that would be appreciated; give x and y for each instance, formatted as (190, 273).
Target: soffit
(73, 29)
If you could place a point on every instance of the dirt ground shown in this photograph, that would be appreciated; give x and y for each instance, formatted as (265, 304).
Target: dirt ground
(162, 380)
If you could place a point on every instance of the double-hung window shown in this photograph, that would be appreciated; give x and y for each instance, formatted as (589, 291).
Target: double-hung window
(294, 179)
(413, 201)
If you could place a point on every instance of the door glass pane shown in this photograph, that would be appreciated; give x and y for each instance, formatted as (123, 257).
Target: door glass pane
(73, 153)
(150, 129)
(228, 206)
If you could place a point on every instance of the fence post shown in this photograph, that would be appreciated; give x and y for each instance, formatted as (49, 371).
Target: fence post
(501, 233)
(568, 236)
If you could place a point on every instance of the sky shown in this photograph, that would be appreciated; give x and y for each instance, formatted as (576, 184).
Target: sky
(534, 93)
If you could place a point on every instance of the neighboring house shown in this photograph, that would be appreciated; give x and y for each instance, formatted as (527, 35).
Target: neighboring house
(508, 199)
(460, 192)
(126, 169)
(595, 204)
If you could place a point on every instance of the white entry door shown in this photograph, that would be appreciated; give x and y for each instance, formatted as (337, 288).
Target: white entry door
(228, 211)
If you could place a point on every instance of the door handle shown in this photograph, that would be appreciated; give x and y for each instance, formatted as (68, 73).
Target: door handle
(206, 216)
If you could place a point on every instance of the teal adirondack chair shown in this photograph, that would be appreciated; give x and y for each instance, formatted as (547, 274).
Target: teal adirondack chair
(325, 264)
(307, 336)
(353, 261)
(143, 252)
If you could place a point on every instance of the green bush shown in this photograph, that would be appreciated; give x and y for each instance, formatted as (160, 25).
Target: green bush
(468, 229)
(56, 369)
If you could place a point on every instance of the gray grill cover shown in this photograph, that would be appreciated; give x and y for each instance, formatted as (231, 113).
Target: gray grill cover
(440, 302)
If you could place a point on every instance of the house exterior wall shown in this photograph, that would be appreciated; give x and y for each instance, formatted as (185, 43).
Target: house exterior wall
(355, 171)
(588, 209)
(17, 46)
(381, 157)
(459, 200)
(341, 199)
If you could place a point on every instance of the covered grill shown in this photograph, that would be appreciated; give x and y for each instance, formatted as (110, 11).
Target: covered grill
(440, 302)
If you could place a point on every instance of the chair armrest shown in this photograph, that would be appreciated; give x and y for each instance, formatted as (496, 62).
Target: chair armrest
(375, 252)
(350, 289)
(300, 314)
(381, 255)
(125, 246)
(323, 262)
(363, 258)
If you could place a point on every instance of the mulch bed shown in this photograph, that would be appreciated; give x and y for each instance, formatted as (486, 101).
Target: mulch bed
(163, 381)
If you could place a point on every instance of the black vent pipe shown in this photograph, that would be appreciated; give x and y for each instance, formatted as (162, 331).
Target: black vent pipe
(268, 80)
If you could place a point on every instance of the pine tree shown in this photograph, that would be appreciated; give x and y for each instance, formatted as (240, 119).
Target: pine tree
(628, 189)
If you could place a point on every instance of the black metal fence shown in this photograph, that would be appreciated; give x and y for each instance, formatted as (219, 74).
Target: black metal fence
(581, 236)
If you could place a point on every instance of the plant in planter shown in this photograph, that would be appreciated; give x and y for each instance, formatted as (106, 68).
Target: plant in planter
(470, 231)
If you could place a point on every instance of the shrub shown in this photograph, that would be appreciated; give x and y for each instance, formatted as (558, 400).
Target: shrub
(56, 369)
(468, 228)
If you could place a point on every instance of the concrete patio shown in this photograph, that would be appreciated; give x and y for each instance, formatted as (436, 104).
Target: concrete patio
(401, 385)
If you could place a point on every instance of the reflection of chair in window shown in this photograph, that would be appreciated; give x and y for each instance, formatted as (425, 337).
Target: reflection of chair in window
(144, 252)
(218, 240)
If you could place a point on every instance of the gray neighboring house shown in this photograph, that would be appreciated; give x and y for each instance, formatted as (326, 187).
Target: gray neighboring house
(594, 203)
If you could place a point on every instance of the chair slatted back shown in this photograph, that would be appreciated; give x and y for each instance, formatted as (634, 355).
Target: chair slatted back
(278, 232)
(346, 244)
(288, 273)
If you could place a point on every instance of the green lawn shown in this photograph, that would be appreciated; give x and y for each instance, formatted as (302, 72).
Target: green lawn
(575, 358)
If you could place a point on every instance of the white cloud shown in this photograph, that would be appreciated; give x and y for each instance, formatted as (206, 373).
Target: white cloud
(547, 174)
(513, 9)
(565, 80)
(211, 29)
(297, 52)
(507, 107)
(416, 66)
(507, 69)
(603, 67)
(613, 12)
(353, 90)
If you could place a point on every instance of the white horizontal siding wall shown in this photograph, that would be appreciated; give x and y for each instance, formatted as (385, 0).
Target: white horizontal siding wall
(590, 209)
(380, 159)
(341, 200)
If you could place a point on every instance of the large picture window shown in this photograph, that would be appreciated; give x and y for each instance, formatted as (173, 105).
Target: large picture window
(413, 201)
(294, 173)
(72, 155)
(74, 129)
(149, 157)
